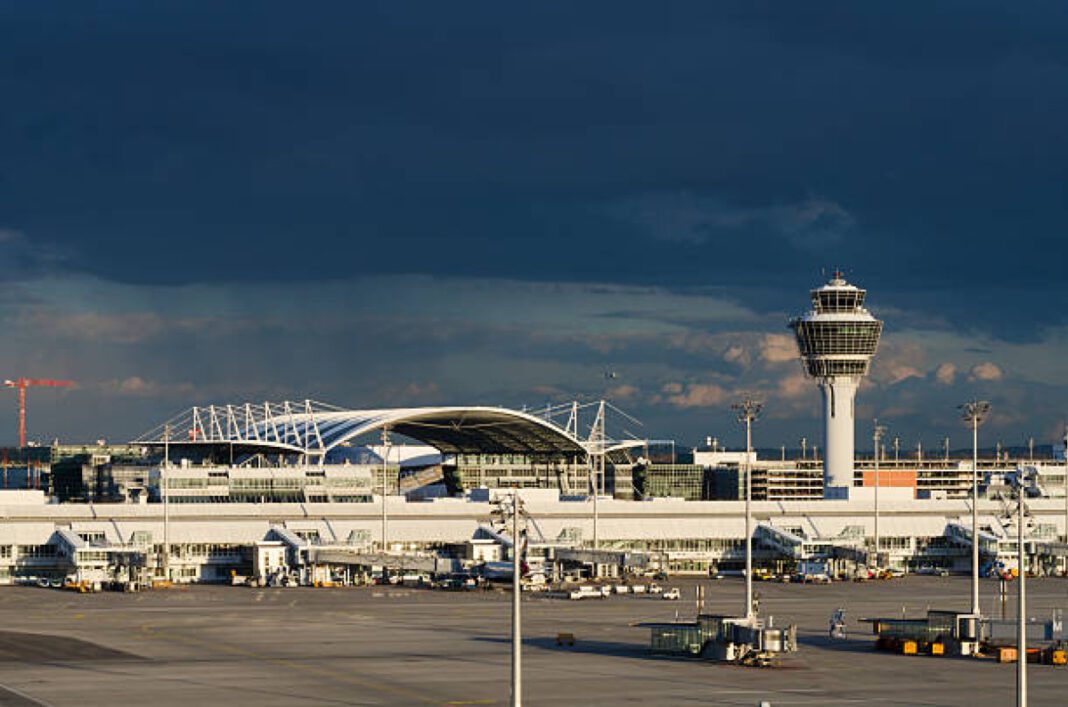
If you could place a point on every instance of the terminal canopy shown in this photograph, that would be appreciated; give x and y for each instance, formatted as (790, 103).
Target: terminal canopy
(313, 429)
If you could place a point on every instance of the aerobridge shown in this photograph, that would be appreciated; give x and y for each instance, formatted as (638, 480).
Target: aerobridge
(303, 552)
(616, 558)
(961, 535)
(791, 546)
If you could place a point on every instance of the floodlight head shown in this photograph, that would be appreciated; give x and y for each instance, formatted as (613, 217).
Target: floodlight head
(748, 410)
(974, 411)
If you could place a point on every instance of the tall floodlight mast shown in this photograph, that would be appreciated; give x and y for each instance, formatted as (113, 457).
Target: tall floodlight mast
(877, 433)
(509, 509)
(595, 456)
(748, 411)
(1019, 484)
(385, 491)
(837, 339)
(1066, 489)
(974, 412)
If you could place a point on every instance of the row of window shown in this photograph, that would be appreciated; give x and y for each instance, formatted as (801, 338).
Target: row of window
(503, 459)
(276, 497)
(838, 301)
(678, 544)
(820, 368)
(475, 472)
(36, 551)
(217, 551)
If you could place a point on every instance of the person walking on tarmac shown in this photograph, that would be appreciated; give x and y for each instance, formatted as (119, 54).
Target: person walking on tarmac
(838, 628)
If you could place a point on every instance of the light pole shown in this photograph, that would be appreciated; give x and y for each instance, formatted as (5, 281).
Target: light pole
(165, 491)
(877, 433)
(1066, 490)
(974, 412)
(517, 635)
(1021, 626)
(747, 411)
(595, 457)
(508, 510)
(385, 492)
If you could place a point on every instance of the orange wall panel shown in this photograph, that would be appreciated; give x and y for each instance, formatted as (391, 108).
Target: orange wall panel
(896, 478)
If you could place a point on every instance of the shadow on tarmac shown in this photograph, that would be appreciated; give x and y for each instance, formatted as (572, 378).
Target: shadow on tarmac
(611, 648)
(40, 648)
(852, 644)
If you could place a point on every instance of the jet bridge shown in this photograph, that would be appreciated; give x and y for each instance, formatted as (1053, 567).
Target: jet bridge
(788, 544)
(962, 535)
(311, 558)
(95, 561)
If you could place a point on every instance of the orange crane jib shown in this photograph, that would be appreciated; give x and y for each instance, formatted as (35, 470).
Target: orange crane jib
(22, 384)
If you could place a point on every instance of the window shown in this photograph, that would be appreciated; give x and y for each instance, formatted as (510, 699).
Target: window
(359, 537)
(37, 551)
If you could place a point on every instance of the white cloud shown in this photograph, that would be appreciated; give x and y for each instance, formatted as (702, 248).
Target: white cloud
(138, 387)
(778, 348)
(899, 373)
(986, 371)
(624, 392)
(946, 373)
(694, 395)
(736, 354)
(794, 386)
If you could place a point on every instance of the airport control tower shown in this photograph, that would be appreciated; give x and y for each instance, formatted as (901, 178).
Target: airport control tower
(837, 339)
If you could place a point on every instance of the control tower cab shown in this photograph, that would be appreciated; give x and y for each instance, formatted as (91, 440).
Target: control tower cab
(837, 339)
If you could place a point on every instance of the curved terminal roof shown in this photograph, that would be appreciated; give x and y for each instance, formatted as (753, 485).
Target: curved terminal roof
(316, 428)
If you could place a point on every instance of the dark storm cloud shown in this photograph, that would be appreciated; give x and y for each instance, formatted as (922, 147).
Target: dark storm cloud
(242, 143)
(265, 152)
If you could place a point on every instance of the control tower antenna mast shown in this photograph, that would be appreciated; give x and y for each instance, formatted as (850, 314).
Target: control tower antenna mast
(837, 339)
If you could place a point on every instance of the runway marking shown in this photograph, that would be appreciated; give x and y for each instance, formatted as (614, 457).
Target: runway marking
(286, 663)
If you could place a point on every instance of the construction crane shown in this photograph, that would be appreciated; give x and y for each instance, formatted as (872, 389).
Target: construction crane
(22, 384)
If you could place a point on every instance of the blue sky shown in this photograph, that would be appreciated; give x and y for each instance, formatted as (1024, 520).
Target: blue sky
(408, 203)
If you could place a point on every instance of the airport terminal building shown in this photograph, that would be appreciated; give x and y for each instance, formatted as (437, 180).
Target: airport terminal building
(209, 542)
(319, 493)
